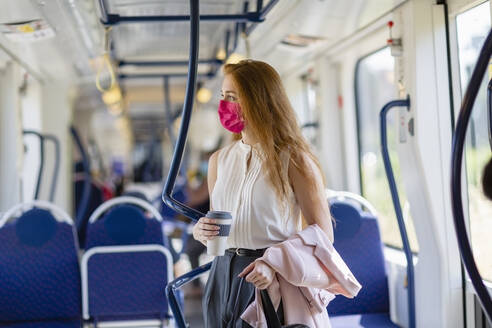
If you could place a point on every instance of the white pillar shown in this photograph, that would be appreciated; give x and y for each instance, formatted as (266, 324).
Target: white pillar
(10, 137)
(331, 153)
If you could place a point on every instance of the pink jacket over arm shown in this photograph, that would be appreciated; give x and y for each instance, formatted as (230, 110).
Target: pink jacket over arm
(309, 273)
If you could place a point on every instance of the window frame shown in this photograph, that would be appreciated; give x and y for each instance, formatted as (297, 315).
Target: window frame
(357, 112)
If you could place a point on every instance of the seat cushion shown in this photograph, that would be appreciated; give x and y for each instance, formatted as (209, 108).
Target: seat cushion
(127, 285)
(372, 320)
(43, 324)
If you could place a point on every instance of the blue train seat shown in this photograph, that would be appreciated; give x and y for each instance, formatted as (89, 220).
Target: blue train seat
(358, 242)
(39, 268)
(126, 267)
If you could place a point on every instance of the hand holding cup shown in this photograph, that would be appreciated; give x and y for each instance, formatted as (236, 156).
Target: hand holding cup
(205, 229)
(213, 230)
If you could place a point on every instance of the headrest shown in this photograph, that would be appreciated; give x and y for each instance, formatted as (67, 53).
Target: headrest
(125, 223)
(36, 227)
(347, 219)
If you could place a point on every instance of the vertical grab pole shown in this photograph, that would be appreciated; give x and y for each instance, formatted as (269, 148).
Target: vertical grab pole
(56, 168)
(41, 160)
(178, 156)
(456, 170)
(396, 202)
(185, 119)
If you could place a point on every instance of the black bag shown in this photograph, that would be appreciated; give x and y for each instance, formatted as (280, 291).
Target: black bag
(271, 315)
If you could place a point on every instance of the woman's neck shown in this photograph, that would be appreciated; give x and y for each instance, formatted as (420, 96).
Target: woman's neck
(248, 139)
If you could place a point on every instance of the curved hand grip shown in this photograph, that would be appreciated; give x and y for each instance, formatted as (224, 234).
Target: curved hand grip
(185, 120)
(396, 203)
(41, 159)
(456, 170)
(86, 192)
(56, 167)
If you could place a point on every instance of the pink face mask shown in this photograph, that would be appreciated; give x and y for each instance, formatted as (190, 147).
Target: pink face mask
(230, 116)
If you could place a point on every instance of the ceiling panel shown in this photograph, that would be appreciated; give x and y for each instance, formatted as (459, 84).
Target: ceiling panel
(169, 39)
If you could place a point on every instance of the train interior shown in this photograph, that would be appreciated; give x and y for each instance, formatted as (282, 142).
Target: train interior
(108, 119)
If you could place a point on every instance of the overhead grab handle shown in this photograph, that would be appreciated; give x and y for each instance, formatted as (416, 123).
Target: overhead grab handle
(185, 120)
(456, 170)
(397, 205)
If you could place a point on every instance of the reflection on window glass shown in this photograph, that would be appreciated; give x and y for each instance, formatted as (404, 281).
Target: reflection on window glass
(375, 86)
(472, 27)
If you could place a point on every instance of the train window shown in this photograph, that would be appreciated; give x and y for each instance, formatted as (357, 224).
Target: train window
(309, 119)
(375, 86)
(472, 28)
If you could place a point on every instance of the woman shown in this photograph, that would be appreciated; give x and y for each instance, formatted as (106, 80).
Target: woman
(266, 178)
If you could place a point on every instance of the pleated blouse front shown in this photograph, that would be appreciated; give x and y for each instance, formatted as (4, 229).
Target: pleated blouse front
(259, 219)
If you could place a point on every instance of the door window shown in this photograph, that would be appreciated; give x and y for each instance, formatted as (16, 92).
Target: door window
(375, 86)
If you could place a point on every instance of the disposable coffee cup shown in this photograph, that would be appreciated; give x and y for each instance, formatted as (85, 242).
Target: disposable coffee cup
(217, 246)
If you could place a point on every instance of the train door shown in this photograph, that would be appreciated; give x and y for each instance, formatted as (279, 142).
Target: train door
(469, 24)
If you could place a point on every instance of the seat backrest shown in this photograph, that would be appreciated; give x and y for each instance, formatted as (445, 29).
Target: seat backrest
(124, 225)
(358, 241)
(39, 269)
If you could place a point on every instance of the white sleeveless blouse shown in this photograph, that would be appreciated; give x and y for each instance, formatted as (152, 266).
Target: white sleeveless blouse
(259, 219)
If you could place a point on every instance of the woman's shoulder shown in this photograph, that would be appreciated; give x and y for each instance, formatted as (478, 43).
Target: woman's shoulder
(221, 152)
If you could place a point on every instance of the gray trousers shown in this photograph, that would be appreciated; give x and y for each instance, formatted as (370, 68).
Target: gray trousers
(225, 297)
